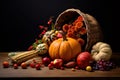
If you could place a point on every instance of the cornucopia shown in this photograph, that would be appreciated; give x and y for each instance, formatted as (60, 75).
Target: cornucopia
(73, 33)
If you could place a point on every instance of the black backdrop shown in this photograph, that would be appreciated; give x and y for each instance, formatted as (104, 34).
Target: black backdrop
(19, 20)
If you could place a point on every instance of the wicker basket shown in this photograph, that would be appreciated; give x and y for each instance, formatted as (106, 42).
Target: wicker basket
(94, 32)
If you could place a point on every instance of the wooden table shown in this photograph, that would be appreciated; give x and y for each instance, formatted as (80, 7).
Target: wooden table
(56, 73)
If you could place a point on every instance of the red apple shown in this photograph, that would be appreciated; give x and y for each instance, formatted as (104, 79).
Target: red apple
(5, 64)
(46, 61)
(58, 63)
(83, 59)
(23, 65)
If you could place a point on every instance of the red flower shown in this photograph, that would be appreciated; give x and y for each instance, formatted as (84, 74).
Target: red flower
(50, 20)
(65, 27)
(40, 35)
(79, 19)
(70, 34)
(30, 48)
(43, 32)
(83, 31)
(41, 27)
(81, 41)
(46, 28)
(36, 41)
(79, 24)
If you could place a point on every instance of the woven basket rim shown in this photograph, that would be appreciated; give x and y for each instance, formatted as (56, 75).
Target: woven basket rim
(98, 36)
(77, 11)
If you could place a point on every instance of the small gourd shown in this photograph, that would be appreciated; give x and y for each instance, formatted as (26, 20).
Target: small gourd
(101, 50)
(49, 36)
(42, 48)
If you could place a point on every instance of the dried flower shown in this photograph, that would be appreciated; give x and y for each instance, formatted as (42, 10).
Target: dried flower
(43, 30)
(65, 27)
(81, 41)
(30, 48)
(50, 20)
(83, 31)
(79, 19)
(41, 27)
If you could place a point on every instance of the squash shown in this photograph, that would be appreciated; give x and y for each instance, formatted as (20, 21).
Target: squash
(101, 50)
(42, 48)
(65, 48)
(49, 36)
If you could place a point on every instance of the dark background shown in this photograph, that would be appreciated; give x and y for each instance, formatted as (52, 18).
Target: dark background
(19, 20)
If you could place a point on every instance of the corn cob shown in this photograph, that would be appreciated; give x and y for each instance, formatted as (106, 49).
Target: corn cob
(19, 58)
(14, 53)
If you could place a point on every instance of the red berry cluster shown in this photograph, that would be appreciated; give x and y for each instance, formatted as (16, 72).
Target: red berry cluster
(43, 30)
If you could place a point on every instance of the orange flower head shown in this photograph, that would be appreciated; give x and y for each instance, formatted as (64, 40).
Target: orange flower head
(70, 34)
(83, 31)
(79, 24)
(79, 19)
(65, 27)
(81, 41)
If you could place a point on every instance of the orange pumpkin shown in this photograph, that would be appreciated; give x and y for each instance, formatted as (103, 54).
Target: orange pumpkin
(64, 48)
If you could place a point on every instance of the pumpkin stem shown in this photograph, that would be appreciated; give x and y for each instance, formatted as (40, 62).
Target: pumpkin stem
(63, 35)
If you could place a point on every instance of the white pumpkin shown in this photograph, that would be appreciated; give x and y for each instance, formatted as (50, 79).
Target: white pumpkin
(101, 50)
